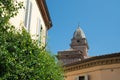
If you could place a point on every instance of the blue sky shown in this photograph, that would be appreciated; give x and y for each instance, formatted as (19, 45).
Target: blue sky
(99, 19)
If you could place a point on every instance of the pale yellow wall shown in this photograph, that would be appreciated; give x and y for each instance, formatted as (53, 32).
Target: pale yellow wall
(19, 19)
(111, 74)
(105, 72)
(35, 16)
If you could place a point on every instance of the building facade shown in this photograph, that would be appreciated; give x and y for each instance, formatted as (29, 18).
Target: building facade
(79, 66)
(35, 18)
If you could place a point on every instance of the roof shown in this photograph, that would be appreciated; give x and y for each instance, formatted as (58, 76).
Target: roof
(45, 13)
(79, 33)
(93, 61)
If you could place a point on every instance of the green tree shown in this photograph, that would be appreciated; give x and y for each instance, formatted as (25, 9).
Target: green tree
(20, 56)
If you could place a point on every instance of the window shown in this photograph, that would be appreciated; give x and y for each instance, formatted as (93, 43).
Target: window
(81, 78)
(85, 77)
(78, 41)
(28, 14)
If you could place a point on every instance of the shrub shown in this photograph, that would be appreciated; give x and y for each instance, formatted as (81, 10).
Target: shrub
(20, 57)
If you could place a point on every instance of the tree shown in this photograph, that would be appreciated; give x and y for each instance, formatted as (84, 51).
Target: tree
(20, 56)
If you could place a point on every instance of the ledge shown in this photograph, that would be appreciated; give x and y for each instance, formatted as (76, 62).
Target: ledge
(93, 61)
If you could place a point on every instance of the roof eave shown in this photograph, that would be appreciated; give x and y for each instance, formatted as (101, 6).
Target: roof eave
(45, 13)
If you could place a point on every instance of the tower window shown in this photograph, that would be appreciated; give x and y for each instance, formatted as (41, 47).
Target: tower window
(78, 41)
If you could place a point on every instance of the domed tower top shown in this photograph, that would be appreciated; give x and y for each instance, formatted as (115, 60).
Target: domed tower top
(79, 34)
(79, 41)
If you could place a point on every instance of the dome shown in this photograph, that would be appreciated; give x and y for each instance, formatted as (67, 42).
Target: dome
(79, 33)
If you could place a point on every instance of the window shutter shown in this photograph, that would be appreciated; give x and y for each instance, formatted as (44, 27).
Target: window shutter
(28, 12)
(39, 31)
(77, 78)
(86, 77)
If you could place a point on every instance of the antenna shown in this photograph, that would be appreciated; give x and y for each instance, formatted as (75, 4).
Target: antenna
(78, 25)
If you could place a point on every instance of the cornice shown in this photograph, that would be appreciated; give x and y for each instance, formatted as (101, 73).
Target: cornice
(69, 56)
(96, 61)
(45, 13)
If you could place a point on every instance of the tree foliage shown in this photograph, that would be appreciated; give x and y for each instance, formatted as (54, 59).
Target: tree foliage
(20, 56)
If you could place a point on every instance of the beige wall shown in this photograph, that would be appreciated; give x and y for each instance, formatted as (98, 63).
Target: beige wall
(36, 21)
(105, 72)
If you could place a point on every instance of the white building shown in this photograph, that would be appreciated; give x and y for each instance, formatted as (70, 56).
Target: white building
(35, 18)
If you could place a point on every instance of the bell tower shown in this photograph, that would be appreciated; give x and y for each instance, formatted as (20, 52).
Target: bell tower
(78, 51)
(79, 42)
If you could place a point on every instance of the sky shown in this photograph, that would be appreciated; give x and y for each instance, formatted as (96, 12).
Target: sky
(99, 19)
